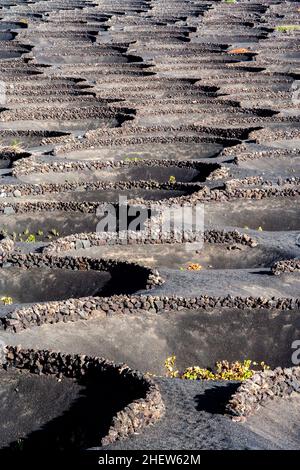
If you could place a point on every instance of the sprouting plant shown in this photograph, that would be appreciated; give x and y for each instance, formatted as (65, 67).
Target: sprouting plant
(54, 232)
(6, 300)
(170, 366)
(194, 267)
(133, 159)
(260, 229)
(40, 233)
(31, 238)
(26, 231)
(197, 373)
(172, 179)
(15, 144)
(234, 371)
(287, 27)
(224, 370)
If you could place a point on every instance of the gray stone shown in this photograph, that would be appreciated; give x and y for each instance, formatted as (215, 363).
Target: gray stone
(86, 244)
(9, 210)
(78, 245)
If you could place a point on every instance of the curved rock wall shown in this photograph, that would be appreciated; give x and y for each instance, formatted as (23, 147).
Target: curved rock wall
(141, 412)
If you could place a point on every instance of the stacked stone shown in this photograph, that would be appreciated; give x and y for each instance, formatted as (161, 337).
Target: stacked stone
(99, 307)
(80, 241)
(286, 266)
(139, 413)
(263, 386)
(29, 165)
(196, 193)
(7, 246)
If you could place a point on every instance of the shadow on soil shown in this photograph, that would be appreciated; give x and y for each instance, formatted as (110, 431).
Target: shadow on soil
(215, 399)
(81, 426)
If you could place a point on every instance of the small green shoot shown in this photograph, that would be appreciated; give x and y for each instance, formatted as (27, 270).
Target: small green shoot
(286, 28)
(31, 238)
(6, 300)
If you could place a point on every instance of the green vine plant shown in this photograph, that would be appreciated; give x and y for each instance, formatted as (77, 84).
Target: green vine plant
(133, 159)
(224, 370)
(6, 300)
(15, 145)
(285, 28)
(31, 238)
(54, 232)
(28, 237)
